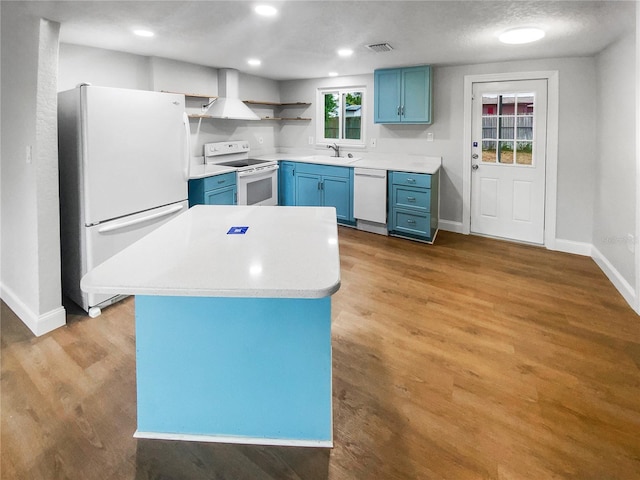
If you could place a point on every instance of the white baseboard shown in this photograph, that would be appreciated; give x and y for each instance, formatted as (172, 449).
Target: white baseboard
(451, 226)
(625, 289)
(570, 246)
(576, 248)
(38, 324)
(236, 440)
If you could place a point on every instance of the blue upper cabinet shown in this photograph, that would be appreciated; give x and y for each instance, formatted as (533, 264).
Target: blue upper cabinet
(402, 95)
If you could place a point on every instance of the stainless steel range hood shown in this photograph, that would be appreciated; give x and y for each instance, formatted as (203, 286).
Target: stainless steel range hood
(228, 104)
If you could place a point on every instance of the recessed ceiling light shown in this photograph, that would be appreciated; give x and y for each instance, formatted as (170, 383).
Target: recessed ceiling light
(144, 33)
(345, 52)
(333, 74)
(265, 10)
(521, 35)
(254, 62)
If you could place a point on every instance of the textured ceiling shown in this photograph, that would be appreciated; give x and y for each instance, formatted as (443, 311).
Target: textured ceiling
(301, 41)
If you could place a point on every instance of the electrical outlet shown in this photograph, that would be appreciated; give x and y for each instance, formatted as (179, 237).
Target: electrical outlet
(373, 142)
(29, 154)
(429, 137)
(310, 140)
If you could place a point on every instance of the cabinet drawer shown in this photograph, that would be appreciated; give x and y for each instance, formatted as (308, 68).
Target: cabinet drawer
(411, 179)
(218, 181)
(413, 198)
(411, 222)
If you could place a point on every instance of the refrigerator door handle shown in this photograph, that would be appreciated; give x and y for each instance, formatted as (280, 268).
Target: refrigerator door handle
(187, 144)
(128, 223)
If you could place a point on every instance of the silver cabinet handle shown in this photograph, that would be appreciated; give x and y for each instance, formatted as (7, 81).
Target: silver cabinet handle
(411, 199)
(411, 180)
(411, 222)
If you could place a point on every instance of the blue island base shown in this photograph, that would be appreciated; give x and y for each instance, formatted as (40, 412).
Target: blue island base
(234, 370)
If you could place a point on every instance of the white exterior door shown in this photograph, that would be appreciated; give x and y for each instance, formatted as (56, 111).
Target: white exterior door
(509, 124)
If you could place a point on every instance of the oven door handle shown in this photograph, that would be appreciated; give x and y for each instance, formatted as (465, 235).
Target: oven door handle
(264, 171)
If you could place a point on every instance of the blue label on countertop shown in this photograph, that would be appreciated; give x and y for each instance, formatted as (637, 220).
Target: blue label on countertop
(237, 230)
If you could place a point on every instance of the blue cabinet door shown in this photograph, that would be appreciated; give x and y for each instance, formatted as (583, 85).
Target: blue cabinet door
(337, 193)
(287, 184)
(416, 94)
(221, 196)
(387, 86)
(308, 193)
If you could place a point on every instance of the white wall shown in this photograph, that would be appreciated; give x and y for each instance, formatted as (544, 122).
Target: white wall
(30, 277)
(109, 68)
(614, 227)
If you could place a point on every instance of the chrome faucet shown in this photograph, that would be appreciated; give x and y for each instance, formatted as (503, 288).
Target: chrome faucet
(336, 148)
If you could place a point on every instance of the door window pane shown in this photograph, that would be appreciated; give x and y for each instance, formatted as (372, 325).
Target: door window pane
(505, 152)
(489, 151)
(524, 153)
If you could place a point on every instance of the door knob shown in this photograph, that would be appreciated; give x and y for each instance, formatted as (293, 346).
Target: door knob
(474, 167)
(474, 156)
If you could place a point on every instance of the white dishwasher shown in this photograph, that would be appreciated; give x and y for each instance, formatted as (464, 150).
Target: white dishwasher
(370, 199)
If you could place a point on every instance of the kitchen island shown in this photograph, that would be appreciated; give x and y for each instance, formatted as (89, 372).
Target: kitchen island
(233, 324)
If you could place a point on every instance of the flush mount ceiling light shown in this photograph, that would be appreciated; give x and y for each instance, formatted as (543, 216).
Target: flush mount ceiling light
(254, 62)
(517, 36)
(345, 52)
(265, 10)
(143, 33)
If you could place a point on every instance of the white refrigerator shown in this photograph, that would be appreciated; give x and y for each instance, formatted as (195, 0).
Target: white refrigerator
(124, 167)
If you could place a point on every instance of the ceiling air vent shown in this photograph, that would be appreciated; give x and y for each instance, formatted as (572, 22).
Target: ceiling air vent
(380, 47)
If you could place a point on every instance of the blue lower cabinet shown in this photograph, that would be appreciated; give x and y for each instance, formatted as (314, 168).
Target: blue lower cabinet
(287, 184)
(215, 190)
(322, 186)
(337, 193)
(413, 205)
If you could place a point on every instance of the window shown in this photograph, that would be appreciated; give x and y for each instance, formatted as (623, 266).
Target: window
(340, 114)
(507, 128)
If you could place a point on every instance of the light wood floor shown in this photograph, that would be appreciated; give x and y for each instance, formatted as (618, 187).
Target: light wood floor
(468, 359)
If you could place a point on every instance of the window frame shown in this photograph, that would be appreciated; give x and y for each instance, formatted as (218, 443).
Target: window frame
(341, 91)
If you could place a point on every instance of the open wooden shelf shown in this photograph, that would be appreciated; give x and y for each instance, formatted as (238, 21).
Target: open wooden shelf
(192, 95)
(277, 104)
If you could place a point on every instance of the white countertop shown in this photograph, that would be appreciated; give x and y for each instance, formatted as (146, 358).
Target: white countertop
(287, 252)
(400, 163)
(203, 170)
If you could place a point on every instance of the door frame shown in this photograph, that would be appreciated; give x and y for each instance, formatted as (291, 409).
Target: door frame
(551, 149)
